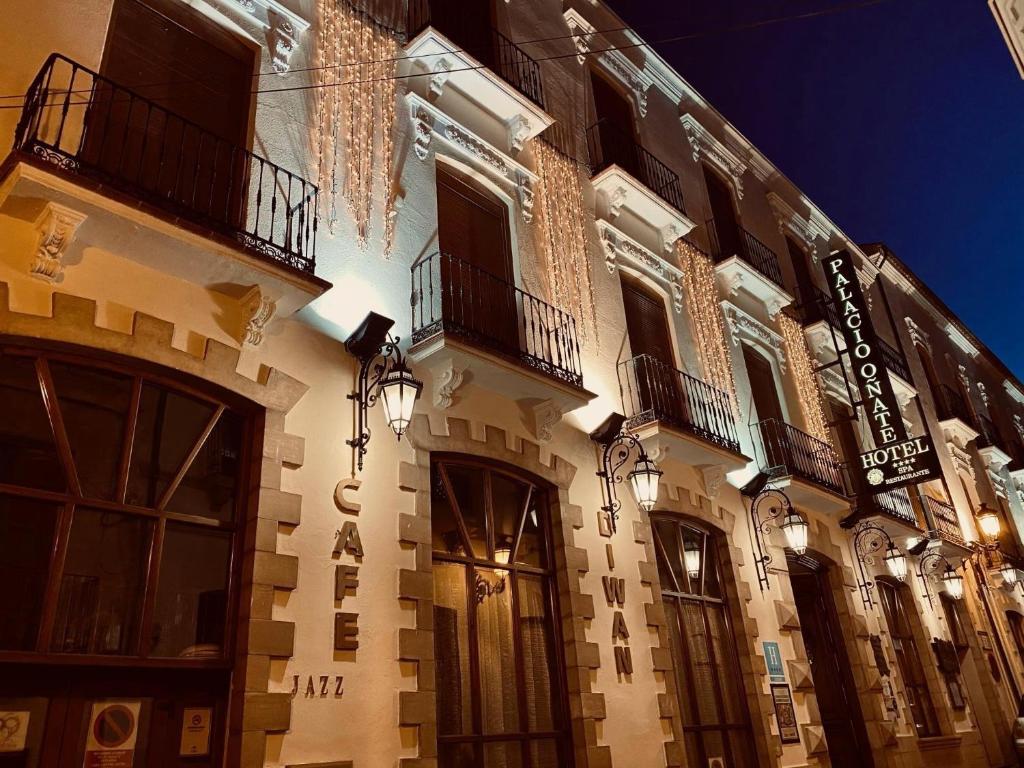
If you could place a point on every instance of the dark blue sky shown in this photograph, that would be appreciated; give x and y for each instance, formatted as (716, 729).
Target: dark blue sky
(903, 121)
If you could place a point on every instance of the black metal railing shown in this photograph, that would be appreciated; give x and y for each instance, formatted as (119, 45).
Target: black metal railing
(894, 361)
(897, 504)
(87, 125)
(953, 405)
(609, 144)
(654, 391)
(946, 522)
(490, 48)
(988, 436)
(724, 245)
(784, 449)
(452, 296)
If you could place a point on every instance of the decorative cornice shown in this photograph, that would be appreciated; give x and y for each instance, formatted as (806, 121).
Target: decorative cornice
(617, 244)
(257, 311)
(957, 337)
(55, 227)
(807, 230)
(283, 27)
(706, 146)
(743, 326)
(430, 121)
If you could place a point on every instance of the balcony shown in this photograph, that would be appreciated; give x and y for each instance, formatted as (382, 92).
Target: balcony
(896, 506)
(449, 50)
(99, 148)
(955, 416)
(947, 525)
(745, 263)
(631, 178)
(813, 467)
(468, 320)
(693, 418)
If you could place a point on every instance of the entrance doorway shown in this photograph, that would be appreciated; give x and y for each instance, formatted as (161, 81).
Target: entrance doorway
(848, 745)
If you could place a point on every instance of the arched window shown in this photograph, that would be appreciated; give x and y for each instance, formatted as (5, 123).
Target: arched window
(712, 703)
(908, 656)
(500, 689)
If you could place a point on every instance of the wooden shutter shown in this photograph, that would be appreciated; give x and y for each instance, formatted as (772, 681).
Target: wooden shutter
(646, 323)
(724, 214)
(473, 226)
(762, 385)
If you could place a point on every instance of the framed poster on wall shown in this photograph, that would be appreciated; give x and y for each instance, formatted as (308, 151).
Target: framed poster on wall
(785, 713)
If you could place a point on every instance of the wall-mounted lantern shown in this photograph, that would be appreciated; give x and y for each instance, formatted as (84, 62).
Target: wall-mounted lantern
(952, 581)
(384, 375)
(870, 539)
(988, 521)
(617, 446)
(793, 526)
(1010, 574)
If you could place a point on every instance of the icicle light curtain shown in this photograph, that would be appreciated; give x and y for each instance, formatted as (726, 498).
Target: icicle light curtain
(799, 356)
(564, 239)
(706, 318)
(356, 110)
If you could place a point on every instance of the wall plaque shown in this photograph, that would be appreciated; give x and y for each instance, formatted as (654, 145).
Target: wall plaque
(773, 660)
(785, 714)
(897, 459)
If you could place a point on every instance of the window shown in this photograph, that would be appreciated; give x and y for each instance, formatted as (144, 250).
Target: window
(1016, 622)
(724, 226)
(954, 620)
(908, 656)
(762, 385)
(500, 699)
(711, 698)
(118, 511)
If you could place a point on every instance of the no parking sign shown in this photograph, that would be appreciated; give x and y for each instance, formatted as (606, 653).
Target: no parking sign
(113, 731)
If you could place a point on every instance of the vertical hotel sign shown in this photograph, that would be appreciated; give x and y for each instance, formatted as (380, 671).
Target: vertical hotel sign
(897, 459)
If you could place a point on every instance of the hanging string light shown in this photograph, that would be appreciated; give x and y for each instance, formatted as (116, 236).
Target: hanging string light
(356, 116)
(706, 320)
(812, 403)
(560, 203)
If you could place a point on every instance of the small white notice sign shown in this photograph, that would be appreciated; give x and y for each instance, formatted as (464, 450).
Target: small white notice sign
(195, 731)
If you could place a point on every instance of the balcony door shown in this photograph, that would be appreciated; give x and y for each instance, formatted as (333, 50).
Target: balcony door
(834, 689)
(724, 229)
(180, 137)
(844, 434)
(478, 293)
(653, 382)
(468, 25)
(616, 137)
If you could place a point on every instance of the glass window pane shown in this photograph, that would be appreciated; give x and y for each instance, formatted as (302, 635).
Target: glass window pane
(742, 749)
(496, 657)
(191, 599)
(456, 756)
(103, 584)
(94, 405)
(208, 488)
(28, 455)
(712, 584)
(503, 755)
(694, 555)
(538, 671)
(443, 525)
(703, 680)
(728, 673)
(508, 499)
(532, 549)
(169, 426)
(451, 651)
(670, 570)
(26, 540)
(544, 754)
(683, 676)
(714, 744)
(468, 485)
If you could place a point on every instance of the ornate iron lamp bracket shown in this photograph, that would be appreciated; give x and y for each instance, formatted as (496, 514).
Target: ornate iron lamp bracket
(616, 454)
(869, 539)
(761, 526)
(372, 368)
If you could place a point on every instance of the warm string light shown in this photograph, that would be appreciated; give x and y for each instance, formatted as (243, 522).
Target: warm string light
(561, 221)
(701, 291)
(356, 101)
(812, 402)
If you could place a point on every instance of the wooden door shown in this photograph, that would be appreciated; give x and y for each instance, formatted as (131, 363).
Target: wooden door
(653, 380)
(476, 263)
(762, 386)
(804, 281)
(182, 135)
(616, 134)
(833, 685)
(726, 241)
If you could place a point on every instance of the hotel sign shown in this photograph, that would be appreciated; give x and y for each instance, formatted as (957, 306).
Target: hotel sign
(897, 459)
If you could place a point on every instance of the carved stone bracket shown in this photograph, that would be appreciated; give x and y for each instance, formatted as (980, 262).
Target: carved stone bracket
(743, 326)
(519, 130)
(525, 191)
(546, 415)
(616, 200)
(961, 457)
(706, 147)
(613, 60)
(713, 477)
(442, 70)
(257, 311)
(423, 124)
(917, 334)
(447, 380)
(807, 230)
(282, 27)
(56, 227)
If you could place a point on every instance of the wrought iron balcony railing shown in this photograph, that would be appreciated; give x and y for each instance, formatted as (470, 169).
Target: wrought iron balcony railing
(989, 436)
(952, 405)
(785, 448)
(491, 48)
(743, 244)
(89, 126)
(897, 504)
(946, 523)
(609, 145)
(654, 391)
(452, 296)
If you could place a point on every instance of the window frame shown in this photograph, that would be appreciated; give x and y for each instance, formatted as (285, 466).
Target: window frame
(561, 733)
(681, 657)
(72, 497)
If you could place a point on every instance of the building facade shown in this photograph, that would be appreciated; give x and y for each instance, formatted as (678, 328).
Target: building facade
(215, 555)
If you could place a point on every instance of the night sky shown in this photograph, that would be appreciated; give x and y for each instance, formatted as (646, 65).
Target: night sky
(903, 121)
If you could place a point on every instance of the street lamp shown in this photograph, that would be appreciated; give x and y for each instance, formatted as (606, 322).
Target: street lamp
(895, 562)
(644, 480)
(988, 521)
(618, 444)
(953, 582)
(792, 525)
(795, 529)
(1009, 573)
